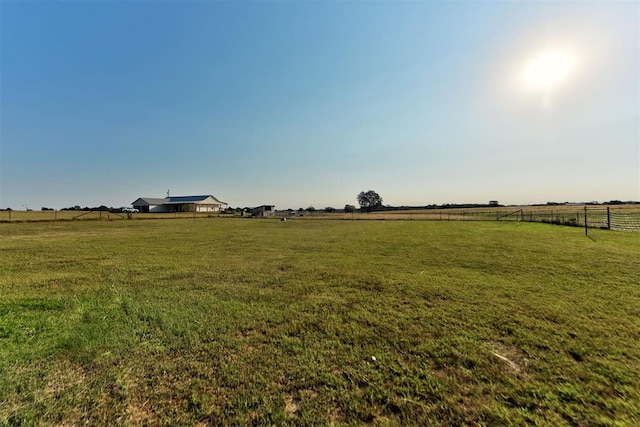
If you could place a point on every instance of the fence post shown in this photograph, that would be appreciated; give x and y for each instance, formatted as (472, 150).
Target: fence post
(608, 219)
(586, 229)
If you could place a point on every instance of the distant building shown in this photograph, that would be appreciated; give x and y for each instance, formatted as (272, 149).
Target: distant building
(206, 203)
(264, 211)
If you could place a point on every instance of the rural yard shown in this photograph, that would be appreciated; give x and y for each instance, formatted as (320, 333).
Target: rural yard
(226, 321)
(342, 213)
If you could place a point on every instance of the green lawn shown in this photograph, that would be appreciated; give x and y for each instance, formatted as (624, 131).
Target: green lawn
(236, 321)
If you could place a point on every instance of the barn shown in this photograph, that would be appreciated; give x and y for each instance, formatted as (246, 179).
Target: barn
(265, 211)
(206, 203)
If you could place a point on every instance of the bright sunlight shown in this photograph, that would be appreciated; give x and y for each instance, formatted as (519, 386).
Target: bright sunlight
(548, 70)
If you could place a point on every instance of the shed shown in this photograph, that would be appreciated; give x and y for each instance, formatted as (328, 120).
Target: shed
(264, 211)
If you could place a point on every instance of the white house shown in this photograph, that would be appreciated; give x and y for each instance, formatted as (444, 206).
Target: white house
(206, 203)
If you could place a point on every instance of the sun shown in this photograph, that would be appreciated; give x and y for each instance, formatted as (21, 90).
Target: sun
(548, 70)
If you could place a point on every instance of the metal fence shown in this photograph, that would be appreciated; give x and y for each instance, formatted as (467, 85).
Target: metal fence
(623, 217)
(79, 215)
(588, 217)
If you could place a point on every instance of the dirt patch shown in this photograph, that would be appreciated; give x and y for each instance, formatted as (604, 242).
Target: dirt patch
(511, 357)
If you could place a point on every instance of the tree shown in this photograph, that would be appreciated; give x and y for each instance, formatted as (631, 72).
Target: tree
(349, 208)
(369, 200)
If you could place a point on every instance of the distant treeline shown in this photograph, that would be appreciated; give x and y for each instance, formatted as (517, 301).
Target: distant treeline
(496, 204)
(610, 202)
(74, 208)
(444, 206)
(102, 208)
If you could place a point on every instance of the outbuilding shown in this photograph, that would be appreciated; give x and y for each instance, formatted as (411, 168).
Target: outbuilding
(264, 211)
(206, 203)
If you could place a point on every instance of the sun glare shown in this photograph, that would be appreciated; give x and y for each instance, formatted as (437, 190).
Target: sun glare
(548, 70)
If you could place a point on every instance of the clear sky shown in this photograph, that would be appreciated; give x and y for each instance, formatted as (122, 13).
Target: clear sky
(308, 103)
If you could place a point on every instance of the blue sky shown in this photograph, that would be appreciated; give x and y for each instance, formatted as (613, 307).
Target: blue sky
(308, 103)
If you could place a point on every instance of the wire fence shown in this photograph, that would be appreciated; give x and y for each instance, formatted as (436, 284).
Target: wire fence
(589, 217)
(625, 221)
(81, 215)
(618, 217)
(625, 218)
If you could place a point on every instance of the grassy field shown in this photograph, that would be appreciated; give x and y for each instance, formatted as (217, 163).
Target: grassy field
(232, 321)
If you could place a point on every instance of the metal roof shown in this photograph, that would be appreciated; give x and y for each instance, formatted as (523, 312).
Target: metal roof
(187, 199)
(151, 200)
(174, 200)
